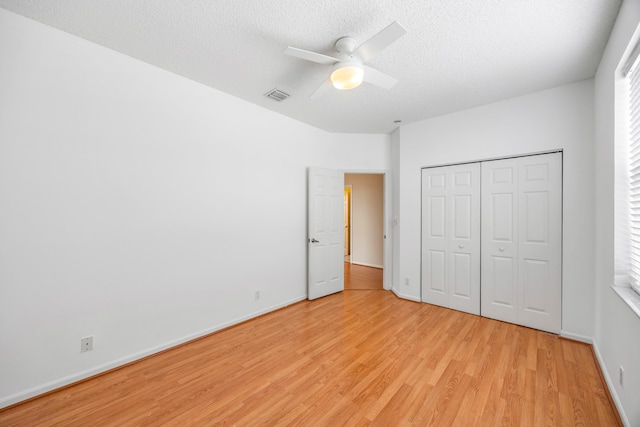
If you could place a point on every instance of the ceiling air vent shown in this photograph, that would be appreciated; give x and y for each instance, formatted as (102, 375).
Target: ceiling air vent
(277, 95)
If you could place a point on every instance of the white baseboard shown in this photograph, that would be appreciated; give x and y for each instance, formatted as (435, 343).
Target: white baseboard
(404, 296)
(610, 385)
(365, 264)
(53, 385)
(576, 337)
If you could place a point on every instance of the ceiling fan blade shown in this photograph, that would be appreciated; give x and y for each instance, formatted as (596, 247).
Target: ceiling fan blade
(310, 56)
(378, 78)
(322, 89)
(369, 49)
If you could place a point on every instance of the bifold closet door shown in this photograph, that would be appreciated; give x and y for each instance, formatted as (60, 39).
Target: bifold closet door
(451, 237)
(522, 241)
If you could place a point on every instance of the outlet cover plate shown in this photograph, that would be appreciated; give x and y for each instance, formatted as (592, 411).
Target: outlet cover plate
(86, 344)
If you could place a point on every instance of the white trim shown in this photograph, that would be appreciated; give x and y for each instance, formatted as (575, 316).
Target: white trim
(610, 385)
(70, 379)
(490, 159)
(350, 187)
(387, 229)
(631, 63)
(404, 296)
(387, 245)
(629, 296)
(576, 337)
(366, 264)
(632, 120)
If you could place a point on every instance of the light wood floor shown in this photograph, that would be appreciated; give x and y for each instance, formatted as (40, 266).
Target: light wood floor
(358, 277)
(355, 358)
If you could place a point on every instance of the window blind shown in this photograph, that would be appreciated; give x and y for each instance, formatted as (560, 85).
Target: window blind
(634, 173)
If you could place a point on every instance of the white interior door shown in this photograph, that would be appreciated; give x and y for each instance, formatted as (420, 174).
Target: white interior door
(522, 241)
(325, 233)
(451, 237)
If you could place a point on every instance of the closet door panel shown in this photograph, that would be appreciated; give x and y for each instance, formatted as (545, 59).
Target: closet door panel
(502, 286)
(435, 237)
(522, 241)
(464, 245)
(502, 216)
(437, 223)
(462, 217)
(461, 275)
(451, 237)
(499, 234)
(436, 267)
(540, 244)
(534, 273)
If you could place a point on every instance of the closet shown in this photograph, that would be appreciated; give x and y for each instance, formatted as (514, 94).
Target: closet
(492, 239)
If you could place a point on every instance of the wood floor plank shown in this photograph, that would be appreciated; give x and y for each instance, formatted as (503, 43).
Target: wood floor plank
(361, 357)
(360, 277)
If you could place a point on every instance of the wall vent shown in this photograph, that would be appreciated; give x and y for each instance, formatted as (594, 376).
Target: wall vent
(277, 95)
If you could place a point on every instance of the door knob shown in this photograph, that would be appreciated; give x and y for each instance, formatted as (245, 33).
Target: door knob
(501, 249)
(461, 246)
(314, 241)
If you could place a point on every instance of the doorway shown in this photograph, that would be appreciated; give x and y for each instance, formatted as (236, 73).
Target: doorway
(325, 232)
(364, 241)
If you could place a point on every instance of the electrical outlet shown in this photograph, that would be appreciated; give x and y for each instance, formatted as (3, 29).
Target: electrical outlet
(86, 344)
(257, 295)
(406, 281)
(621, 376)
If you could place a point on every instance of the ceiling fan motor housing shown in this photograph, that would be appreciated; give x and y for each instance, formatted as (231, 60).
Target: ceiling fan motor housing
(346, 45)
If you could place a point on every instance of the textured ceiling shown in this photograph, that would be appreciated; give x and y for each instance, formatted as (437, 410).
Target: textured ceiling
(456, 54)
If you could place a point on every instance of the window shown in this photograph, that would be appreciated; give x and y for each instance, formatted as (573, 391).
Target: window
(631, 162)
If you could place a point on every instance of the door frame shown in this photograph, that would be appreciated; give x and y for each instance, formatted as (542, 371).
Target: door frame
(512, 156)
(350, 187)
(387, 256)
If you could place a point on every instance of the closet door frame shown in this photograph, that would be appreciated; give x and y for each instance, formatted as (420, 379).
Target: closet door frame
(553, 325)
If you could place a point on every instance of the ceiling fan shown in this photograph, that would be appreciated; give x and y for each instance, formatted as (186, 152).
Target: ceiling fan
(349, 70)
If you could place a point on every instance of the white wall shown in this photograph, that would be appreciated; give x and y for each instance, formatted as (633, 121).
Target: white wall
(139, 207)
(559, 118)
(367, 219)
(617, 328)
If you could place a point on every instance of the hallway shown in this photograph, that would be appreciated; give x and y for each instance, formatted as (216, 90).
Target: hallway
(359, 277)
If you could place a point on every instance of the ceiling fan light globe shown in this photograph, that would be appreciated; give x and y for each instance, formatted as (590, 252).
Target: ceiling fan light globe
(347, 77)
